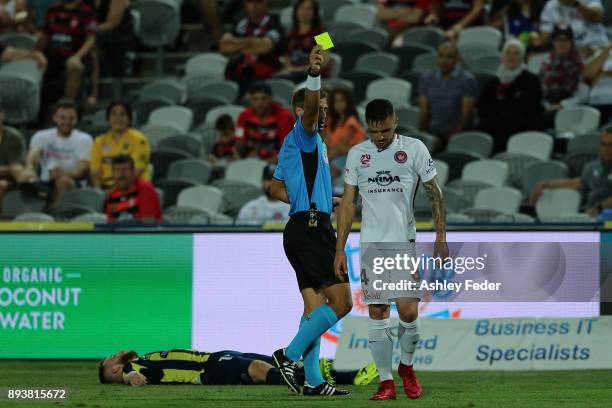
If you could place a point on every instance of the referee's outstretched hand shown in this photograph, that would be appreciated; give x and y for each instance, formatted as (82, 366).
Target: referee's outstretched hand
(316, 59)
(340, 266)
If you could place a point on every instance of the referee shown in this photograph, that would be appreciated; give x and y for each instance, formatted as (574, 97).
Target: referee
(302, 179)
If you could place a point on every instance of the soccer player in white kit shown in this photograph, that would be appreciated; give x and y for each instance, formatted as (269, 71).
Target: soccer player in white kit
(386, 171)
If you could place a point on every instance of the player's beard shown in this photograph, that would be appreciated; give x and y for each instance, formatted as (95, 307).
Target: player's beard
(129, 356)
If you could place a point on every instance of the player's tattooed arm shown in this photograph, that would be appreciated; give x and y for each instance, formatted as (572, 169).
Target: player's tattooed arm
(439, 216)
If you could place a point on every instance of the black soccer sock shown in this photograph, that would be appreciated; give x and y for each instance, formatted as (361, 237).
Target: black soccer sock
(344, 377)
(274, 377)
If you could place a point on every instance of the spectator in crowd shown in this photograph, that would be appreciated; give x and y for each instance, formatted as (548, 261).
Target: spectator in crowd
(595, 182)
(62, 153)
(583, 16)
(343, 129)
(254, 45)
(224, 148)
(399, 15)
(115, 37)
(299, 42)
(447, 96)
(132, 199)
(455, 15)
(120, 139)
(599, 72)
(262, 126)
(265, 208)
(519, 19)
(512, 101)
(12, 14)
(67, 37)
(12, 151)
(13, 54)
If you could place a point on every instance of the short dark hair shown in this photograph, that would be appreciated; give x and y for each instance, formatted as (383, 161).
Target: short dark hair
(299, 96)
(101, 375)
(123, 159)
(126, 106)
(260, 86)
(378, 110)
(65, 104)
(224, 122)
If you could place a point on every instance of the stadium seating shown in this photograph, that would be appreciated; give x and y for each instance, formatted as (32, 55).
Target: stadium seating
(577, 160)
(232, 110)
(225, 90)
(483, 35)
(177, 117)
(556, 203)
(15, 203)
(398, 91)
(378, 62)
(33, 217)
(163, 157)
(428, 36)
(25, 41)
(246, 170)
(516, 218)
(350, 51)
(362, 80)
(424, 62)
(539, 171)
(407, 53)
(205, 198)
(171, 89)
(282, 90)
(408, 116)
(362, 14)
(189, 143)
(91, 217)
(89, 197)
(536, 144)
(195, 170)
(575, 121)
(20, 88)
(236, 194)
(588, 142)
(479, 144)
(143, 107)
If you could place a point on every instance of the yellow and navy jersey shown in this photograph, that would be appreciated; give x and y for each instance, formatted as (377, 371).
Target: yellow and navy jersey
(177, 366)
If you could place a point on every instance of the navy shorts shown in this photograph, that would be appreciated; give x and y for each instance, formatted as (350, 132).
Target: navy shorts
(227, 367)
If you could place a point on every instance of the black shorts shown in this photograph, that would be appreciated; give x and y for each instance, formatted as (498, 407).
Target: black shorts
(311, 250)
(228, 367)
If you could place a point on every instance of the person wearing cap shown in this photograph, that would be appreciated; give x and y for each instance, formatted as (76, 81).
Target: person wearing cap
(512, 101)
(265, 208)
(583, 16)
(12, 151)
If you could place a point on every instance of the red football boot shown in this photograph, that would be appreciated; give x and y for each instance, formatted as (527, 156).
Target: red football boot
(412, 388)
(386, 391)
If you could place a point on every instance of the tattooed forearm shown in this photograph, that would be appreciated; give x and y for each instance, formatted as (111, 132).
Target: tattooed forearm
(437, 205)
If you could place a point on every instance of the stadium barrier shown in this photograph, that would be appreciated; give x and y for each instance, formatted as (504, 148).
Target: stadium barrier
(87, 294)
(491, 344)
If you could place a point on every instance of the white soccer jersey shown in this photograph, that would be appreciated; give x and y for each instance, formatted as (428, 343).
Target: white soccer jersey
(387, 182)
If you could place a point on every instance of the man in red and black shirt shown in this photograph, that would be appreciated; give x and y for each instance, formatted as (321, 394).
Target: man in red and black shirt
(67, 37)
(262, 126)
(399, 15)
(132, 199)
(255, 44)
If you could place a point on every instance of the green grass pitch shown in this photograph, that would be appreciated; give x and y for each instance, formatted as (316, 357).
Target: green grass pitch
(457, 389)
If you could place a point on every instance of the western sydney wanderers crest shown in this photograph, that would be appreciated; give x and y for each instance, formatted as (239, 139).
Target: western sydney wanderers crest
(400, 156)
(365, 160)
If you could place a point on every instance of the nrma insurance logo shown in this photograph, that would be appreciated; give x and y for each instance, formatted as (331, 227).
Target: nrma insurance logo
(427, 305)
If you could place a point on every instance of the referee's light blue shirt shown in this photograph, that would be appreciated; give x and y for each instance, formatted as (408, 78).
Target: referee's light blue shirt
(290, 169)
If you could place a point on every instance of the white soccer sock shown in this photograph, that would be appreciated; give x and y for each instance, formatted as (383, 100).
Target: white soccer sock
(381, 347)
(408, 335)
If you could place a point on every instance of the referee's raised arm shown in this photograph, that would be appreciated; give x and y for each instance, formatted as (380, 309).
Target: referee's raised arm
(310, 118)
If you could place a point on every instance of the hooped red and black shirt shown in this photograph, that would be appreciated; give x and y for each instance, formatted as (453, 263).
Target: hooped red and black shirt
(67, 29)
(138, 202)
(264, 136)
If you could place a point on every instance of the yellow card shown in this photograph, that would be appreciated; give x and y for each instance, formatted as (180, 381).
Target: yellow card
(324, 40)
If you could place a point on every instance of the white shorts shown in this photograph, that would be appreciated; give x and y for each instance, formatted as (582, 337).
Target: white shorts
(383, 281)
